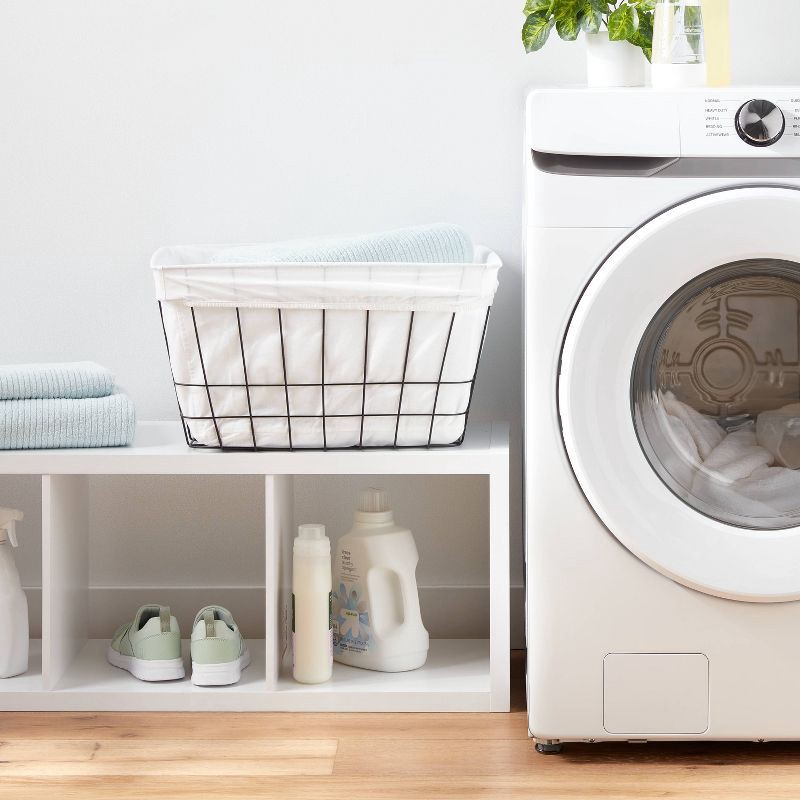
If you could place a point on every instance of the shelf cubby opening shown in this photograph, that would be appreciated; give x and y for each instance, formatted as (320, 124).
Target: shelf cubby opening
(181, 541)
(449, 517)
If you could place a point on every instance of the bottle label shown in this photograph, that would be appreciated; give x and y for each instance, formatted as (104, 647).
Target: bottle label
(331, 635)
(293, 636)
(351, 628)
(330, 624)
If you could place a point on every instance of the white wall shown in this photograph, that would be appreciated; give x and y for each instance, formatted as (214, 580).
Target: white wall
(128, 124)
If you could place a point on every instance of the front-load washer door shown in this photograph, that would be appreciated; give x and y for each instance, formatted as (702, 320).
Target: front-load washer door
(679, 393)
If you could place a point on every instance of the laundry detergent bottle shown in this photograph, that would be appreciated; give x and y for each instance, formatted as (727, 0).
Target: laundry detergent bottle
(14, 633)
(377, 621)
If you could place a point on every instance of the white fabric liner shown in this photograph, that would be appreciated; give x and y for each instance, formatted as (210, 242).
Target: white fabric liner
(438, 294)
(186, 274)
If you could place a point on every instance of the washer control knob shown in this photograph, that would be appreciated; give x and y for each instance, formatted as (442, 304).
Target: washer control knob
(760, 123)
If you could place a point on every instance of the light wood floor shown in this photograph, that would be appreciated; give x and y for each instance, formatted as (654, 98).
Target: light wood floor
(380, 757)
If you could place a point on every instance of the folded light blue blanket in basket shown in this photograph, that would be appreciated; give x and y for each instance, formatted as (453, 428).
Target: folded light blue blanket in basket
(425, 244)
(66, 422)
(76, 380)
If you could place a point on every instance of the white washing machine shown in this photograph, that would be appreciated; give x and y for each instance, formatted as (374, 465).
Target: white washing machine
(662, 419)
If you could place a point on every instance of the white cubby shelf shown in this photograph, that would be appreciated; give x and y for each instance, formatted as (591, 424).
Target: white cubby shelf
(68, 669)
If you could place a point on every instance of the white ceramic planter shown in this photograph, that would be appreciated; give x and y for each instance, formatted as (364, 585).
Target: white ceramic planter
(611, 63)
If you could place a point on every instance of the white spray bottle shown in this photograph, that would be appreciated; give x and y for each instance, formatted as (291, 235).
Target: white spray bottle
(14, 633)
(377, 621)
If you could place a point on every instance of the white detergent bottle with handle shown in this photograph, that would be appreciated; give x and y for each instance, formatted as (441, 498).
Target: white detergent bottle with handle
(377, 621)
(14, 633)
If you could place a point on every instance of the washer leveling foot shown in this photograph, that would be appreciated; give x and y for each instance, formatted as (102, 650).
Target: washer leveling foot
(548, 747)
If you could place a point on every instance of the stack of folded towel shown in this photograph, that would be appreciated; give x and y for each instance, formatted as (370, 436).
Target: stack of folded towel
(62, 405)
(440, 243)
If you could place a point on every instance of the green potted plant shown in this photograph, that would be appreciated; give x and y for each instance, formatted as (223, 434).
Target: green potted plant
(619, 34)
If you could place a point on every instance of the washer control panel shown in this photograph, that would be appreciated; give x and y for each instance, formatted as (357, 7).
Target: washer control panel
(731, 124)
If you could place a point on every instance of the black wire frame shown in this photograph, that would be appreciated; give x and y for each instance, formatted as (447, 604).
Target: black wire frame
(186, 420)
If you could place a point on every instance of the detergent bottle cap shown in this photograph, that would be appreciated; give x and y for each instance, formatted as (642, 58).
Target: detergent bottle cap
(373, 501)
(373, 507)
(311, 530)
(311, 541)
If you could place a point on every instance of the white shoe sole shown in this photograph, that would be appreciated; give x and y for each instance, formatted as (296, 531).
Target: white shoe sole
(169, 669)
(220, 674)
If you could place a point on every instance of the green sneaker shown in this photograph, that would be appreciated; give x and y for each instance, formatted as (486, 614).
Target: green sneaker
(219, 652)
(150, 646)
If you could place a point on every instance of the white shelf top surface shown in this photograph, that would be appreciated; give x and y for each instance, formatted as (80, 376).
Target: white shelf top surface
(453, 665)
(456, 677)
(160, 448)
(91, 672)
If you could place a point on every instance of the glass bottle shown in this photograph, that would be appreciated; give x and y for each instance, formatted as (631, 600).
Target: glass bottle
(679, 53)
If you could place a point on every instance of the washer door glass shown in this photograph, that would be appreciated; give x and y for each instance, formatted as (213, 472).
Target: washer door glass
(716, 394)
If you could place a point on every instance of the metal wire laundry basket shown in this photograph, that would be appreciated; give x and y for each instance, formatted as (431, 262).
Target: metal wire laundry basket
(324, 356)
(324, 418)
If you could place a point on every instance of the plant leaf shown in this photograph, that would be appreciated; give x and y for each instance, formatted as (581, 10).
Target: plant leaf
(645, 45)
(623, 23)
(536, 31)
(592, 15)
(646, 23)
(600, 6)
(535, 6)
(643, 37)
(568, 27)
(568, 18)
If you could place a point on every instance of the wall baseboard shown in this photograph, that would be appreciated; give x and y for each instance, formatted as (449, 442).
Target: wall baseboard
(449, 612)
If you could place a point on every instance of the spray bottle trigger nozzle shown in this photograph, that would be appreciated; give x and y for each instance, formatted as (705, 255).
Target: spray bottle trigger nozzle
(8, 520)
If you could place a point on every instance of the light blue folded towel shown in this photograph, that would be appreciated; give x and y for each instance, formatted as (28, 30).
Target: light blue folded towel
(60, 422)
(426, 244)
(76, 380)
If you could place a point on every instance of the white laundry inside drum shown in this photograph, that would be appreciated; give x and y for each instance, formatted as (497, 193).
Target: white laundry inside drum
(716, 394)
